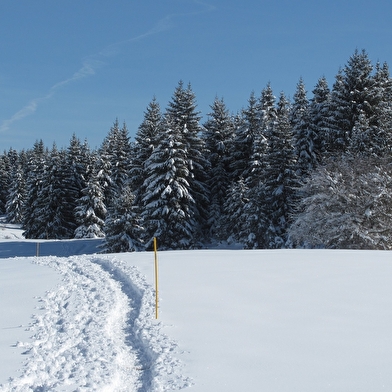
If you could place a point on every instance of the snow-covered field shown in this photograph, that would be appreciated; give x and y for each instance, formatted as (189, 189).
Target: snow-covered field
(229, 320)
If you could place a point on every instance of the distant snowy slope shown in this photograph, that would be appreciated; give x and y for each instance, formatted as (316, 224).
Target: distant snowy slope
(63, 248)
(13, 244)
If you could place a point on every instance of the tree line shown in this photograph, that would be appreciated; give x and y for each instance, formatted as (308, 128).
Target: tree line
(307, 173)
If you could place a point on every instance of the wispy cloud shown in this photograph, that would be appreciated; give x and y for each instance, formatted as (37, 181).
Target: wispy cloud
(92, 63)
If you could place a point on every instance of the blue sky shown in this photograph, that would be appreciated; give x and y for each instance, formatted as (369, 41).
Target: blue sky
(74, 66)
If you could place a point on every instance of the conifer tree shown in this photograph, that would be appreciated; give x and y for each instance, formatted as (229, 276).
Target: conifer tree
(362, 137)
(75, 169)
(235, 225)
(338, 139)
(4, 181)
(16, 196)
(32, 219)
(242, 147)
(91, 211)
(255, 208)
(268, 110)
(319, 115)
(218, 136)
(352, 94)
(115, 161)
(146, 140)
(168, 206)
(184, 120)
(380, 119)
(280, 178)
(304, 136)
(122, 226)
(54, 200)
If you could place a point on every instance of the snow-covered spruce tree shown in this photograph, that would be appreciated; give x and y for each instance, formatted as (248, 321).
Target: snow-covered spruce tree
(122, 226)
(145, 142)
(184, 119)
(16, 196)
(32, 220)
(56, 221)
(115, 156)
(347, 205)
(268, 110)
(168, 206)
(4, 181)
(303, 133)
(255, 208)
(362, 137)
(380, 118)
(234, 223)
(319, 115)
(245, 134)
(218, 136)
(338, 139)
(361, 101)
(75, 168)
(90, 211)
(352, 94)
(103, 173)
(280, 178)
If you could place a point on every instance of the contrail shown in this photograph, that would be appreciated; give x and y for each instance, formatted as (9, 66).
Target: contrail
(91, 63)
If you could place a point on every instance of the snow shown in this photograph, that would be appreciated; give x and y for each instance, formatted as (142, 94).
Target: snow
(229, 320)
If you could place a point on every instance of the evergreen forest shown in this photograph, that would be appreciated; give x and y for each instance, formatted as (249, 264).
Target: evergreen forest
(314, 171)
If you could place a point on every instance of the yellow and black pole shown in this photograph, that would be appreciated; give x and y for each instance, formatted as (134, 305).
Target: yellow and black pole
(156, 277)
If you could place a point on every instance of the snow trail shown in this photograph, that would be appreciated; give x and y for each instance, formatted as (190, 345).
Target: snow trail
(97, 333)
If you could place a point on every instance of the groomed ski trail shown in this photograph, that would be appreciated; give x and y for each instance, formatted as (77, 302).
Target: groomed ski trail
(96, 332)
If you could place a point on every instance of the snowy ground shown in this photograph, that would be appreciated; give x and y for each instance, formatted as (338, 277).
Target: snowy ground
(229, 320)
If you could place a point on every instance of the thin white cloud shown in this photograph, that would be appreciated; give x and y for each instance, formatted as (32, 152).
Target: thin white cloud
(92, 63)
(29, 109)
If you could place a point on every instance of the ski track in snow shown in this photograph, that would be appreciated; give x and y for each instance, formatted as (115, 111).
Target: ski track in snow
(97, 332)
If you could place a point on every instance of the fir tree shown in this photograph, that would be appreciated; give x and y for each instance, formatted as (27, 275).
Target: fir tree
(242, 147)
(122, 226)
(319, 114)
(91, 211)
(352, 94)
(255, 208)
(17, 194)
(115, 161)
(236, 229)
(32, 220)
(56, 221)
(380, 119)
(145, 142)
(168, 206)
(75, 169)
(304, 136)
(280, 178)
(218, 136)
(184, 120)
(4, 181)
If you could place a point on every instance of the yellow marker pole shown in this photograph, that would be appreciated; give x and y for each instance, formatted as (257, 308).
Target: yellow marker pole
(156, 277)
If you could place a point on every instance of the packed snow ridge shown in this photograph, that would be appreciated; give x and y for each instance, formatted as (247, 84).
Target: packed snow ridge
(97, 332)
